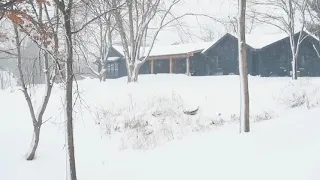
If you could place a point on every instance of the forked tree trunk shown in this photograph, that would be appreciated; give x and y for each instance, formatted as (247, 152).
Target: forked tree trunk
(104, 74)
(36, 133)
(34, 143)
(243, 70)
(133, 73)
(38, 124)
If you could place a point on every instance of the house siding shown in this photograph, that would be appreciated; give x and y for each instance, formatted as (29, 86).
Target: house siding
(222, 59)
(121, 64)
(226, 51)
(308, 60)
(275, 59)
(198, 65)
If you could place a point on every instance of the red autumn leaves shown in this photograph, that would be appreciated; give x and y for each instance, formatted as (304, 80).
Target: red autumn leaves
(23, 15)
(20, 14)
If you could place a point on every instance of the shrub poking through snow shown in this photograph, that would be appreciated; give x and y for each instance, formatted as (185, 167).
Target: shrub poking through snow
(266, 115)
(234, 118)
(300, 94)
(161, 119)
(145, 120)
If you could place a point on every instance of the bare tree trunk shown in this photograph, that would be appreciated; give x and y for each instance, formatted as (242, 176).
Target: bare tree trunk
(69, 109)
(243, 70)
(294, 57)
(292, 40)
(294, 68)
(69, 96)
(133, 73)
(34, 143)
(36, 125)
(36, 120)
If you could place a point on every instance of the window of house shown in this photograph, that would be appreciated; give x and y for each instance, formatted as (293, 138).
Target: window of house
(116, 69)
(113, 69)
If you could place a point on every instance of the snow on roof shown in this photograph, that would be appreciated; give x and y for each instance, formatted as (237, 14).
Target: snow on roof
(162, 50)
(259, 40)
(179, 49)
(256, 40)
(113, 58)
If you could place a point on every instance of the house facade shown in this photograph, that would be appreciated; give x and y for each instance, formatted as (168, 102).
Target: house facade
(275, 59)
(175, 59)
(221, 58)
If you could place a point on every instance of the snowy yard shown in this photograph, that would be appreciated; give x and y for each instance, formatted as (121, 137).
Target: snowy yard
(139, 131)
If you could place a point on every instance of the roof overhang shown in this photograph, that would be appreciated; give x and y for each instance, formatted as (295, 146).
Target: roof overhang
(173, 56)
(113, 59)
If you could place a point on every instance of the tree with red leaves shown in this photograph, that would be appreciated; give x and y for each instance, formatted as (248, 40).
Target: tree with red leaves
(31, 18)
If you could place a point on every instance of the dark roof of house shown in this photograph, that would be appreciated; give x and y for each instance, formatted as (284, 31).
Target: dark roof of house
(221, 39)
(174, 50)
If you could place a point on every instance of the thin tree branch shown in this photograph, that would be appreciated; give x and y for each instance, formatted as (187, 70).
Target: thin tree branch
(97, 17)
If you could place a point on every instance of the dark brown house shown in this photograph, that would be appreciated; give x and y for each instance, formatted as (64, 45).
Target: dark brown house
(175, 59)
(275, 59)
(221, 58)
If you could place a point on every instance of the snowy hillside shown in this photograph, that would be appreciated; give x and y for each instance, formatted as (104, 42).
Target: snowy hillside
(139, 131)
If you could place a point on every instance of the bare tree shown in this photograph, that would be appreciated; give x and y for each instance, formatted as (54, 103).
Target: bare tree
(34, 23)
(133, 24)
(313, 25)
(285, 15)
(243, 69)
(67, 10)
(139, 22)
(101, 39)
(37, 119)
(208, 34)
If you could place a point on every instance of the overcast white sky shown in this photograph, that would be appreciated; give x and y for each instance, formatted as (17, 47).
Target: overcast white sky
(193, 26)
(222, 9)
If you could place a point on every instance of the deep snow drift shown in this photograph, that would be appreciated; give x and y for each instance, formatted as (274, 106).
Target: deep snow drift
(139, 131)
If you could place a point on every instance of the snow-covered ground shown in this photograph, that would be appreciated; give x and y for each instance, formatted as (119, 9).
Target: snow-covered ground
(139, 131)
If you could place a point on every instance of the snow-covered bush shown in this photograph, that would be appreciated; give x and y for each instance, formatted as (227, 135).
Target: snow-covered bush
(266, 115)
(263, 116)
(302, 93)
(156, 121)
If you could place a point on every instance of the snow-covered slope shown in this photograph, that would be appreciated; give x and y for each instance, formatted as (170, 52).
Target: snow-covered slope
(283, 143)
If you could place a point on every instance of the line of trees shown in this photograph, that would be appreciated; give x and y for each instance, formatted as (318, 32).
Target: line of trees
(57, 28)
(50, 24)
